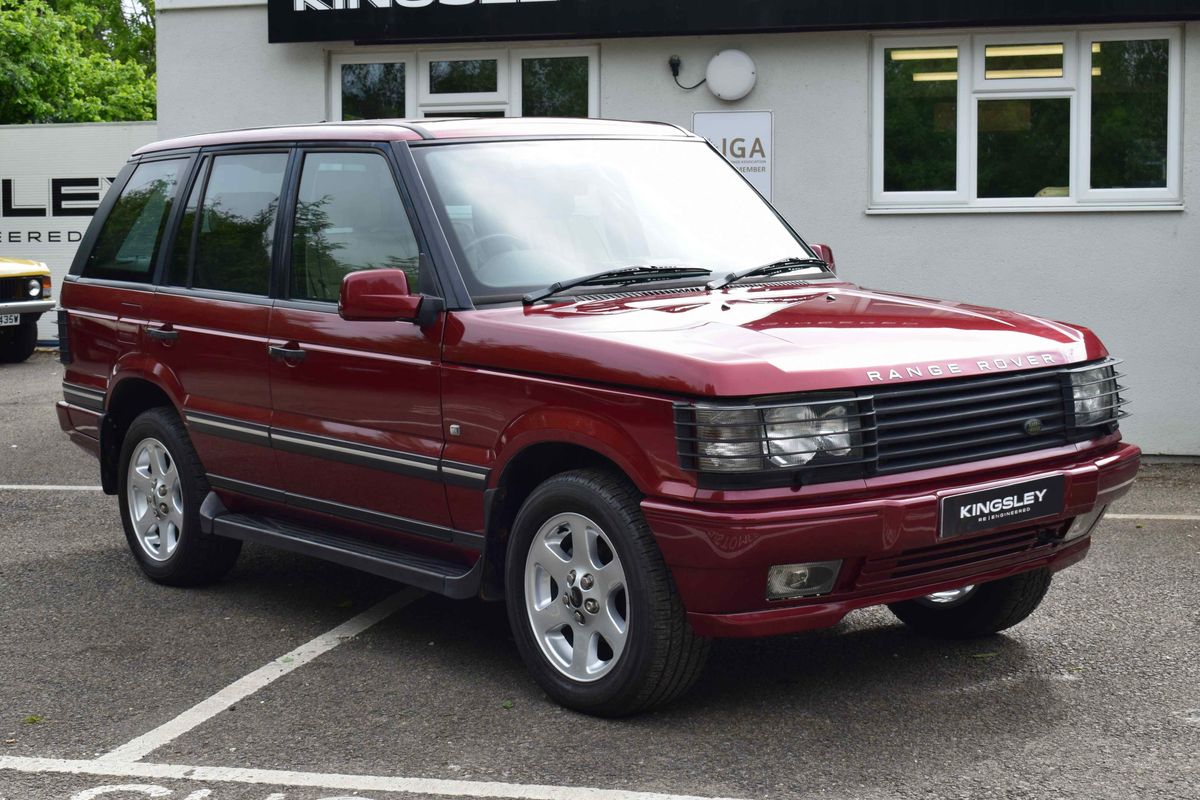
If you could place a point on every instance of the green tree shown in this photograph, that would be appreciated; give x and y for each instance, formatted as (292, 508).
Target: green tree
(75, 61)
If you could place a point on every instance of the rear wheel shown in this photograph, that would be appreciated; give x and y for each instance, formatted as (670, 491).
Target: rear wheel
(161, 488)
(18, 343)
(974, 611)
(591, 603)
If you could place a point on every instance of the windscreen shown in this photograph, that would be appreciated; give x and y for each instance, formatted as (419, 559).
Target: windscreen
(526, 214)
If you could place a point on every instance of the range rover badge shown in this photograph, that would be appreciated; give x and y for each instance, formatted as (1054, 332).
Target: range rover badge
(1033, 426)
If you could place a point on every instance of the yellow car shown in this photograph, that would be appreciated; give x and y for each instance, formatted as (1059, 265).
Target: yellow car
(24, 297)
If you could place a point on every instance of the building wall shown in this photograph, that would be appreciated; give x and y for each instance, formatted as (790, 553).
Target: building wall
(36, 155)
(1134, 277)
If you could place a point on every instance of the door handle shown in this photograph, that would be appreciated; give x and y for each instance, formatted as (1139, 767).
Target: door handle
(288, 355)
(164, 334)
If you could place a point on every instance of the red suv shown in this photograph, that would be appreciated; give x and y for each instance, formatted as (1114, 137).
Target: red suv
(578, 366)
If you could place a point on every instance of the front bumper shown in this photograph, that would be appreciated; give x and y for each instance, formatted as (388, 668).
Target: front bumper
(26, 307)
(887, 540)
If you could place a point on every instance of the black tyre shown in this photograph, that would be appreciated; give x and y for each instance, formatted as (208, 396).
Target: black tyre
(591, 603)
(986, 609)
(160, 489)
(18, 343)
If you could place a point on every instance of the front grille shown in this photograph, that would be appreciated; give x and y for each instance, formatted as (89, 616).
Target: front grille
(890, 429)
(956, 421)
(13, 289)
(945, 559)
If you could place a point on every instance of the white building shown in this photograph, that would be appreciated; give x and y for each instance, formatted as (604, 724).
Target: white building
(1042, 161)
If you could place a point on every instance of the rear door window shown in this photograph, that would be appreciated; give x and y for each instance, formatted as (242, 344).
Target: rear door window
(128, 243)
(349, 217)
(236, 233)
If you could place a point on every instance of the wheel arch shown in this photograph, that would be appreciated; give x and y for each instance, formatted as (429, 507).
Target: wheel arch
(527, 468)
(130, 394)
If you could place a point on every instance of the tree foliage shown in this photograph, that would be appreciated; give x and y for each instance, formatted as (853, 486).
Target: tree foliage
(76, 61)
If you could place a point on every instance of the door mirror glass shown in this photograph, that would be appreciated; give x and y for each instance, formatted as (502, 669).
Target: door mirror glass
(825, 253)
(379, 295)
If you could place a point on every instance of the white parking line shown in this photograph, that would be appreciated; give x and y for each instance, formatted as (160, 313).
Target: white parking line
(244, 687)
(14, 487)
(1175, 517)
(321, 780)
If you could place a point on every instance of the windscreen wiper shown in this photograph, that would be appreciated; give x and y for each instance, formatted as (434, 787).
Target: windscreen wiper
(774, 268)
(621, 277)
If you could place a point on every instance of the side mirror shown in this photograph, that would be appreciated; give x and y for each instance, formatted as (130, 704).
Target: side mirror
(825, 253)
(379, 295)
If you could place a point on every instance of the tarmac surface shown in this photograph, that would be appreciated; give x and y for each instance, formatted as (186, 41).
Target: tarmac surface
(1095, 696)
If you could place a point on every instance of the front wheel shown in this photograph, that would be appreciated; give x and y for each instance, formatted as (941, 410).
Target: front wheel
(591, 603)
(162, 485)
(974, 611)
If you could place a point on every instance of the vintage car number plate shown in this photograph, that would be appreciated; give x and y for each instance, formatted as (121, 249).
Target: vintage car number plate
(10, 319)
(1003, 505)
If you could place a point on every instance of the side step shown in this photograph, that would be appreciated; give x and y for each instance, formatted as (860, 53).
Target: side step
(431, 574)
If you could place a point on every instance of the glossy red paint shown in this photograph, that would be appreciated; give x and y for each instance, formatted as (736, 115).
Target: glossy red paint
(375, 416)
(379, 295)
(744, 342)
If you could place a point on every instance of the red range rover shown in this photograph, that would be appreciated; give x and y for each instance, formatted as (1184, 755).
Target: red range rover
(578, 366)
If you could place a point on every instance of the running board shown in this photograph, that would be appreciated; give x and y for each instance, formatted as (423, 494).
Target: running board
(430, 574)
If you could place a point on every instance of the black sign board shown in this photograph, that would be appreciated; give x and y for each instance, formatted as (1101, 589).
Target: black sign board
(1006, 505)
(407, 21)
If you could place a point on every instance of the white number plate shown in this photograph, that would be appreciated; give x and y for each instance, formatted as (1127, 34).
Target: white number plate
(10, 319)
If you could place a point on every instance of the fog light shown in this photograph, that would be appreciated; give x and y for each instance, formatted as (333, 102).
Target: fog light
(802, 580)
(1084, 523)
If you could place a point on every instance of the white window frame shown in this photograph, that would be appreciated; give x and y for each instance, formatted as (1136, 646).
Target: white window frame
(433, 102)
(419, 101)
(962, 122)
(1075, 84)
(591, 53)
(1171, 193)
(982, 83)
(338, 60)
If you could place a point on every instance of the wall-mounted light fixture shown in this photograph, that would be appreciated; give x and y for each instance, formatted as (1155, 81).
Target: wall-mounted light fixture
(731, 75)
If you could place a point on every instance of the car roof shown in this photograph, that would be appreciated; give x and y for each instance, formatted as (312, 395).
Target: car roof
(392, 130)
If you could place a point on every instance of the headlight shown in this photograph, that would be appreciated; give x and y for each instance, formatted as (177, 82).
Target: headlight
(814, 431)
(34, 287)
(1096, 396)
(797, 434)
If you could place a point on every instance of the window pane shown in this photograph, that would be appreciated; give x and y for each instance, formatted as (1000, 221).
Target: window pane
(1025, 147)
(1129, 114)
(373, 91)
(920, 119)
(1008, 61)
(181, 252)
(554, 87)
(460, 77)
(128, 242)
(237, 223)
(349, 217)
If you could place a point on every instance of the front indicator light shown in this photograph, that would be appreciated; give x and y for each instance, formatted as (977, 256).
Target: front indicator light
(1085, 523)
(45, 287)
(786, 581)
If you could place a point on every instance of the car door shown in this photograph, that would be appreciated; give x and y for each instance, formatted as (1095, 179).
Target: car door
(210, 317)
(357, 424)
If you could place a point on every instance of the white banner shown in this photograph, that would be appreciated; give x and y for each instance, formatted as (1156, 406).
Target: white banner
(52, 177)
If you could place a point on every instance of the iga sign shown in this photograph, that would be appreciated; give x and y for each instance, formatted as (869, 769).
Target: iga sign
(746, 138)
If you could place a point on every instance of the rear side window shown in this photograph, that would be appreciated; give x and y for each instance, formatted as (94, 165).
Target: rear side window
(349, 217)
(236, 231)
(128, 242)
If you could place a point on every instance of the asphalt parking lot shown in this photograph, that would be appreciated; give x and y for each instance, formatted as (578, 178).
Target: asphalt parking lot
(290, 681)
